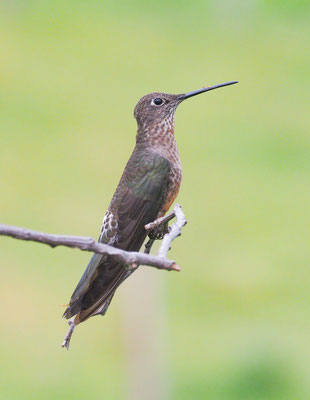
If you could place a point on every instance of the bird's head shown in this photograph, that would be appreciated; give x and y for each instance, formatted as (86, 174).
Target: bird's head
(156, 108)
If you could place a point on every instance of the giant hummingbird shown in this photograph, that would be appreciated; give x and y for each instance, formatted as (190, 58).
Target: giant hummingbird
(148, 186)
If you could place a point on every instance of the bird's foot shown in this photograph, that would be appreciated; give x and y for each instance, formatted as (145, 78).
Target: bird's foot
(159, 232)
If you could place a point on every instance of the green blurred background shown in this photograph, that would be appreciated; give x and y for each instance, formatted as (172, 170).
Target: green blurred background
(235, 323)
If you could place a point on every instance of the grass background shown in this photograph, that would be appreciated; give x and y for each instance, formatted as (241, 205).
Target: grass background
(237, 316)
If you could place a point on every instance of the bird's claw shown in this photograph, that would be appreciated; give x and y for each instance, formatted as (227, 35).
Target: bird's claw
(159, 232)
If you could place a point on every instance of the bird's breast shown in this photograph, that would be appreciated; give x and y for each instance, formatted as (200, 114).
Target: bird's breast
(172, 188)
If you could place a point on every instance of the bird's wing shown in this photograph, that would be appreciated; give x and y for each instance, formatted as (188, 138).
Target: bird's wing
(142, 200)
(136, 202)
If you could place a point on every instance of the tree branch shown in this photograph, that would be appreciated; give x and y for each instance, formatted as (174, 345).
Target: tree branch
(132, 259)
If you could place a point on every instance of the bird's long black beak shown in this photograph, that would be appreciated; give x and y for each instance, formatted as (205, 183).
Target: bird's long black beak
(206, 89)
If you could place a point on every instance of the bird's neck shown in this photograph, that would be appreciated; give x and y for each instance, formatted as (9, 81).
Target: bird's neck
(159, 137)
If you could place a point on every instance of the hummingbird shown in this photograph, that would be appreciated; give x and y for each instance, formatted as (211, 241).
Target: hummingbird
(149, 185)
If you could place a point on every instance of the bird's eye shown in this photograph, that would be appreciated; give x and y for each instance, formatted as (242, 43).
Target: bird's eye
(158, 101)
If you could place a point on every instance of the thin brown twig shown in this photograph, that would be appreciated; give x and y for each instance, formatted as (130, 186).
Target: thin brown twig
(161, 221)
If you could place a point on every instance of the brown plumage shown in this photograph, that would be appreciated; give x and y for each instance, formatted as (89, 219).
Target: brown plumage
(148, 186)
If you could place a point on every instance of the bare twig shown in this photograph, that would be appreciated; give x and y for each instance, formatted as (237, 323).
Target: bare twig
(162, 220)
(174, 231)
(132, 259)
(88, 244)
(66, 342)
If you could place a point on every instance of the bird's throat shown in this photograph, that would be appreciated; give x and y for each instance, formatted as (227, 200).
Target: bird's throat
(157, 133)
